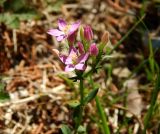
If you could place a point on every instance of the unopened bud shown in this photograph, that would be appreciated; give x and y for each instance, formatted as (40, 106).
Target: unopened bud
(71, 38)
(80, 47)
(105, 37)
(88, 33)
(93, 50)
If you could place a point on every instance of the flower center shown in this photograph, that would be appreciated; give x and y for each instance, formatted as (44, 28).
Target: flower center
(66, 29)
(74, 58)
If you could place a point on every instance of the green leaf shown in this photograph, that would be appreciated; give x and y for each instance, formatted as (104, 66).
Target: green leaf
(27, 16)
(90, 96)
(81, 129)
(76, 113)
(13, 20)
(2, 86)
(73, 103)
(3, 95)
(68, 81)
(10, 20)
(15, 5)
(55, 7)
(2, 2)
(65, 129)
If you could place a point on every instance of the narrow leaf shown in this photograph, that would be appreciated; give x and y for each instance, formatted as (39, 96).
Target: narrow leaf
(73, 103)
(3, 95)
(90, 96)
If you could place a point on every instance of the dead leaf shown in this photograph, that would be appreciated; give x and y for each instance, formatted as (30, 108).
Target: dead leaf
(134, 99)
(121, 72)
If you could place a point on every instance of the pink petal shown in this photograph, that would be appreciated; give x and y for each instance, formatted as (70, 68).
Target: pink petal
(74, 27)
(55, 32)
(72, 50)
(81, 47)
(60, 38)
(69, 68)
(80, 66)
(63, 58)
(83, 58)
(68, 60)
(61, 24)
(93, 50)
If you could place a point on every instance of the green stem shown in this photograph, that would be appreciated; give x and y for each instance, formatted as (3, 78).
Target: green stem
(81, 90)
(80, 115)
(102, 115)
(153, 101)
(101, 111)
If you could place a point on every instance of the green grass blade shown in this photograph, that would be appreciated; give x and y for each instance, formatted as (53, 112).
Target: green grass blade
(154, 96)
(103, 116)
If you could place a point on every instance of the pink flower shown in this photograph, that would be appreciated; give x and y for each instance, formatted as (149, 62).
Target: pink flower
(93, 50)
(75, 60)
(88, 33)
(64, 30)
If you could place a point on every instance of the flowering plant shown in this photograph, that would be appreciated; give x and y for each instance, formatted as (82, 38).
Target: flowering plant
(79, 53)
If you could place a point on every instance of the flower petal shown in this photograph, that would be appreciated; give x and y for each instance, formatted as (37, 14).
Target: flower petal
(60, 38)
(68, 60)
(83, 58)
(80, 66)
(74, 27)
(63, 58)
(72, 50)
(55, 32)
(61, 24)
(70, 67)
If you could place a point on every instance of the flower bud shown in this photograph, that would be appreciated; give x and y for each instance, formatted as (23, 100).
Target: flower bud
(88, 34)
(93, 50)
(80, 47)
(105, 37)
(71, 38)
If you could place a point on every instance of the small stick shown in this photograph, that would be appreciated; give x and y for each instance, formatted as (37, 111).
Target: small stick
(14, 40)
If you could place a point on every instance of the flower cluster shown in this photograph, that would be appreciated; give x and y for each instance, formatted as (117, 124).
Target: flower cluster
(79, 52)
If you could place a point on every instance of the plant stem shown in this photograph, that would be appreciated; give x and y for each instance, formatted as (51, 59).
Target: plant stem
(81, 91)
(80, 115)
(101, 111)
(102, 115)
(153, 101)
